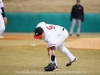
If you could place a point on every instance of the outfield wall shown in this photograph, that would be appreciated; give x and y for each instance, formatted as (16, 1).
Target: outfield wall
(26, 22)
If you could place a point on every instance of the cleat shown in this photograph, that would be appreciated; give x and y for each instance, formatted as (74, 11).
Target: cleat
(56, 68)
(68, 64)
(70, 34)
(78, 35)
(50, 67)
(46, 66)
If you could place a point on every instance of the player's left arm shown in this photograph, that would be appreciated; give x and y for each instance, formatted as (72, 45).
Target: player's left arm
(53, 48)
(3, 15)
(82, 13)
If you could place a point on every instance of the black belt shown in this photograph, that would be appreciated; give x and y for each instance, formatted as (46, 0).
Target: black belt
(63, 29)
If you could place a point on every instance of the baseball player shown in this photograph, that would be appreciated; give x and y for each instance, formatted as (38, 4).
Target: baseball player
(3, 19)
(77, 15)
(54, 35)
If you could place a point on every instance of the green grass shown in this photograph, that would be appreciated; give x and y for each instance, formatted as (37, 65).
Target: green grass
(18, 57)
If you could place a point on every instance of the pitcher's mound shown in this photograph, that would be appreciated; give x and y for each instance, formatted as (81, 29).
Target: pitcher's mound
(84, 43)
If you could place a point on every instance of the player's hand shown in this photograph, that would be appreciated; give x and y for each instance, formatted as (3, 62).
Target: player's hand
(5, 20)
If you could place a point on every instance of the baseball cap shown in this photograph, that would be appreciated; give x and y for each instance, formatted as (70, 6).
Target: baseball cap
(38, 33)
(78, 0)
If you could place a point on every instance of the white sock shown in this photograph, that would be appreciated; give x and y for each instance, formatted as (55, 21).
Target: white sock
(50, 58)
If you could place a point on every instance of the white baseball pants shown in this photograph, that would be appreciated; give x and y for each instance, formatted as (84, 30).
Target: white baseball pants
(2, 25)
(60, 46)
(74, 21)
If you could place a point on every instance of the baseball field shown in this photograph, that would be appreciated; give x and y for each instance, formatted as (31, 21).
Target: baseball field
(21, 54)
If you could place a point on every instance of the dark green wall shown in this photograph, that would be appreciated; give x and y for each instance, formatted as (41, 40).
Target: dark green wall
(26, 22)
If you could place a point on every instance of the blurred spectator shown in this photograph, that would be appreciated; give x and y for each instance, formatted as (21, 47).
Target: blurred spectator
(77, 16)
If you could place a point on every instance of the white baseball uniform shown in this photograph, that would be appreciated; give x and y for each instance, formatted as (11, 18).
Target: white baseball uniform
(55, 35)
(2, 25)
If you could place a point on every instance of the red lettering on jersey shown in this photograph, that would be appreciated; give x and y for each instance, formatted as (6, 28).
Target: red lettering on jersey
(50, 27)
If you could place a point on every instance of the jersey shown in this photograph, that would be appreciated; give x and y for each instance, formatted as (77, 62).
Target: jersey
(77, 12)
(1, 5)
(51, 33)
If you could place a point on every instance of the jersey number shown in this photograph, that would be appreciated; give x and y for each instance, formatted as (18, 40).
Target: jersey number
(50, 27)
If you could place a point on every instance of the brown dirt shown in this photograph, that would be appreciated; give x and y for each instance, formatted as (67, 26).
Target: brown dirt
(15, 37)
(84, 43)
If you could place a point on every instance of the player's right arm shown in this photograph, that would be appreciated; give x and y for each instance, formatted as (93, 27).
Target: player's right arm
(48, 50)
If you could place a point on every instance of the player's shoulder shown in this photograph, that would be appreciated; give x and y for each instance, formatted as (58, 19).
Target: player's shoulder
(41, 24)
(80, 5)
(74, 5)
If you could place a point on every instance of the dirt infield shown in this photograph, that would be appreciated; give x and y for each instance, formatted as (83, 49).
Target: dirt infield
(18, 57)
(72, 42)
(15, 37)
(84, 43)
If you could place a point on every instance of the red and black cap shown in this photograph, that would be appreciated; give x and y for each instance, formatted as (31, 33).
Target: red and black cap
(38, 33)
